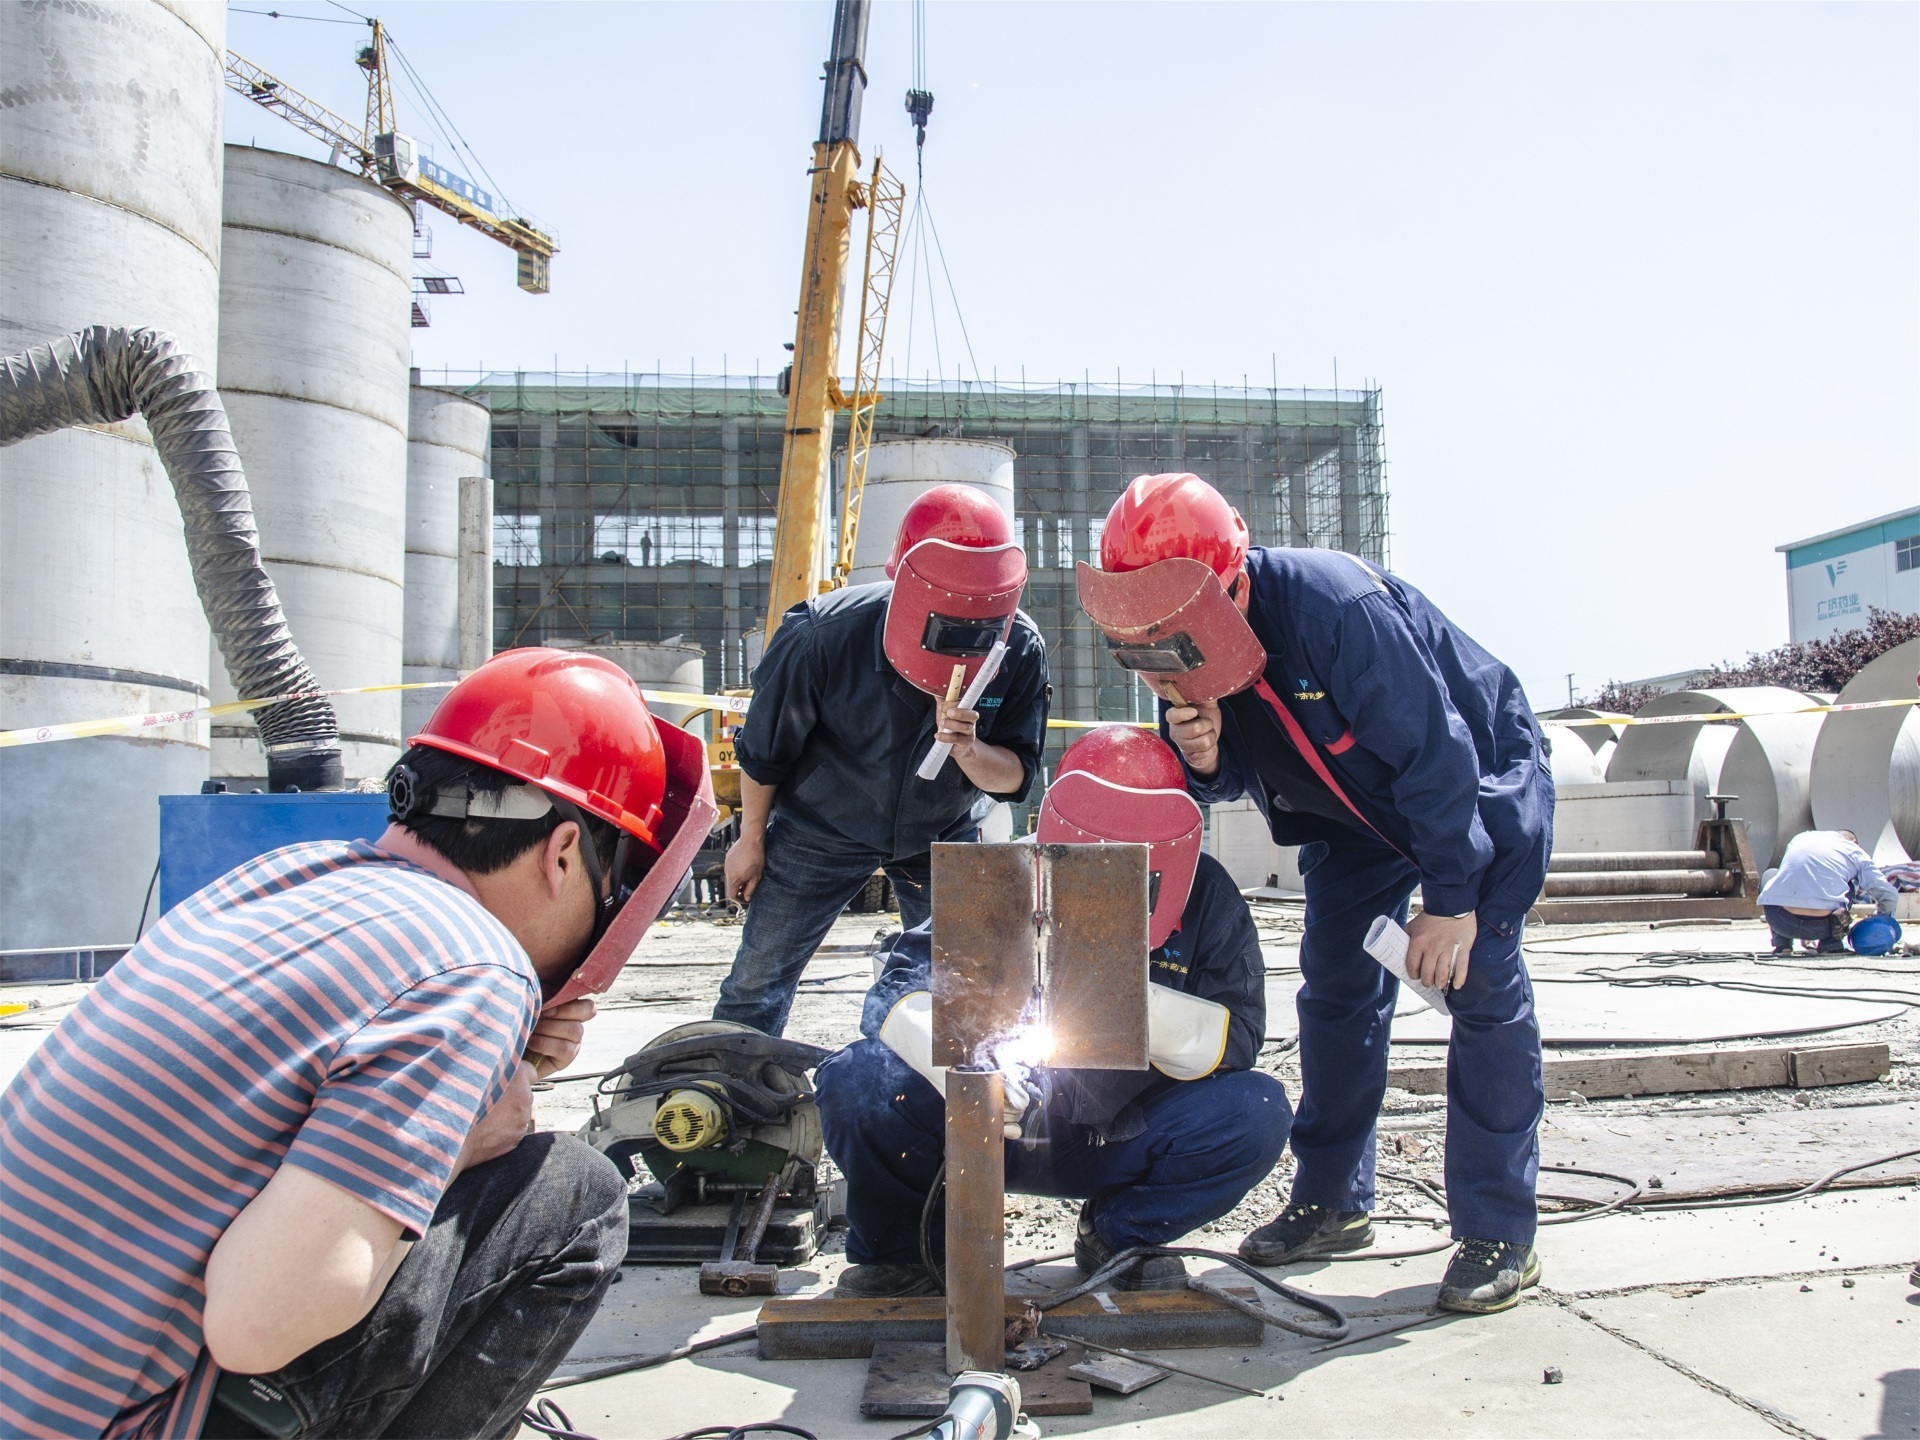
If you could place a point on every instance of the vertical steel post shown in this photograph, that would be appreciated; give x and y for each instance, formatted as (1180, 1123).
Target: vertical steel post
(976, 1223)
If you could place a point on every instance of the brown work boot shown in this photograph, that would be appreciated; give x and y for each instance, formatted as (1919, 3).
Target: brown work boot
(884, 1282)
(1151, 1272)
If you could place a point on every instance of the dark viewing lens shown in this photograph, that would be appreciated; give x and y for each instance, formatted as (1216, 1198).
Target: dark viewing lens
(1173, 655)
(951, 635)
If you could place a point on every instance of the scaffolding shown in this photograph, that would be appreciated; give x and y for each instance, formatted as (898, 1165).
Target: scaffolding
(633, 507)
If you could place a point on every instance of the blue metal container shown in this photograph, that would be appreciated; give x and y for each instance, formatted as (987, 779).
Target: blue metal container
(202, 837)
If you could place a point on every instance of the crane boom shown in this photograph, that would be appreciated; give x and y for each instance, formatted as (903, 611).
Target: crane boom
(886, 201)
(800, 560)
(392, 160)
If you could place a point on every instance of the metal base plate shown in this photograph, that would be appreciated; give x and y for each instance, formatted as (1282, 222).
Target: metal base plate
(692, 1234)
(909, 1379)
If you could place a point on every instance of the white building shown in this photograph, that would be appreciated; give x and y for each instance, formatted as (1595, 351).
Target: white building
(1834, 579)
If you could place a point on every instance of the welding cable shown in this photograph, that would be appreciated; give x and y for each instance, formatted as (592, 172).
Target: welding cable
(549, 1419)
(1127, 1259)
(733, 1432)
(1801, 1194)
(648, 1362)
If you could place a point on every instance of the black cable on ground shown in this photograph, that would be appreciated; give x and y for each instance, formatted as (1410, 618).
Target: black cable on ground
(1802, 1193)
(733, 1432)
(1126, 1260)
(647, 1362)
(934, 1191)
(549, 1419)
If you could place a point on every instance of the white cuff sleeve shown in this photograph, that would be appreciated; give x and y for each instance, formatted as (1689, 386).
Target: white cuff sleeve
(1186, 1036)
(908, 1032)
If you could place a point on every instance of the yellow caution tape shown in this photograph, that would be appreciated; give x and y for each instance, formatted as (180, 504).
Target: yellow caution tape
(159, 719)
(735, 705)
(1722, 718)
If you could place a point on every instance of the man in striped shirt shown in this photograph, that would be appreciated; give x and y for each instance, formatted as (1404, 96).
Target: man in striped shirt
(273, 1176)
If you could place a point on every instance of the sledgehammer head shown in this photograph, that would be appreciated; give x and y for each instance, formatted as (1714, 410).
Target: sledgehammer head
(738, 1277)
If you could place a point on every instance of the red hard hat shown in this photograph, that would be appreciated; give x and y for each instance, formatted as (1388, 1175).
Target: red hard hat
(572, 724)
(958, 514)
(1125, 755)
(1166, 517)
(1120, 784)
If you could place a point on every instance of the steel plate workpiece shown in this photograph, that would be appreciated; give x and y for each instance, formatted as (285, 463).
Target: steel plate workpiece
(984, 966)
(976, 1221)
(1094, 955)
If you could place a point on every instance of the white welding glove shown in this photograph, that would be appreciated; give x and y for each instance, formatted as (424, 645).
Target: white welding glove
(1186, 1036)
(908, 1032)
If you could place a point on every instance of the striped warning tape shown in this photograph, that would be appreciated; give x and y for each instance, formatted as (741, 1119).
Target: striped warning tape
(738, 705)
(1719, 718)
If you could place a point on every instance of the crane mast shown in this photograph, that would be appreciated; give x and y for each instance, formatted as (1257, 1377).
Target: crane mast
(800, 556)
(392, 160)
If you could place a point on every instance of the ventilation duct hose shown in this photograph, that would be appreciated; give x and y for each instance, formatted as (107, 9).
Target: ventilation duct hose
(101, 375)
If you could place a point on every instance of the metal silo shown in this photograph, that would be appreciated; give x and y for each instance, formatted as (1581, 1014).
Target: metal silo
(900, 471)
(110, 180)
(447, 436)
(315, 304)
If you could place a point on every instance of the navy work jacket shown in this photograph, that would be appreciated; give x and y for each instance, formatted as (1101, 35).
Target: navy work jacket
(1215, 954)
(836, 728)
(1431, 738)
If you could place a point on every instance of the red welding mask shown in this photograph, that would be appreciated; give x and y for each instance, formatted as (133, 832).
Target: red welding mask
(950, 603)
(642, 894)
(1120, 785)
(1174, 624)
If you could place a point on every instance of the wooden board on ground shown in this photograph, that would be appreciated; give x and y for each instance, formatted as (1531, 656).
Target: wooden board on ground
(1706, 1155)
(1669, 1072)
(909, 1379)
(828, 1327)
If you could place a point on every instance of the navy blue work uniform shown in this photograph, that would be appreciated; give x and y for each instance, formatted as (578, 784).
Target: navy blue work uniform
(1433, 742)
(1162, 1156)
(840, 733)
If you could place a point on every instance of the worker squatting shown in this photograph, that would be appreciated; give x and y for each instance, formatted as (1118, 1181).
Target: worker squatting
(274, 1175)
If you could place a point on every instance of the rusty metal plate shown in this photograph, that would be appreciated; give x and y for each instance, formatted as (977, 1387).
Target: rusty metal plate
(984, 966)
(1095, 897)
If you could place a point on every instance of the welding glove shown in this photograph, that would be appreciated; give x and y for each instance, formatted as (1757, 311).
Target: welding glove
(1186, 1036)
(908, 1032)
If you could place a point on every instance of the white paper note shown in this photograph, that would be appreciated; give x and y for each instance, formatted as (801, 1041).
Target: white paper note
(1387, 943)
(936, 756)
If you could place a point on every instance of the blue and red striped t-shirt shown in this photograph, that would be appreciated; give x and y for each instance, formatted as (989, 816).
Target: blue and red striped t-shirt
(329, 1006)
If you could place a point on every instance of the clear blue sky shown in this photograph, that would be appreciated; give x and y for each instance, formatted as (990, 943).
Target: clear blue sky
(1638, 282)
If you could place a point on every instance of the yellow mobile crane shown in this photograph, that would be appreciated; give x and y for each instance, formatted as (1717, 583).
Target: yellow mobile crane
(801, 567)
(393, 160)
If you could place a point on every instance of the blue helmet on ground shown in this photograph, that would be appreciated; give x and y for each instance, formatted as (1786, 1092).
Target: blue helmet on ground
(1875, 935)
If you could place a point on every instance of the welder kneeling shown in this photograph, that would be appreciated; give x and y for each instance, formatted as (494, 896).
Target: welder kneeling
(1153, 1154)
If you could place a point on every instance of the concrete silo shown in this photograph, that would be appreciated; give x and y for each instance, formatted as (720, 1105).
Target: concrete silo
(447, 436)
(110, 178)
(315, 305)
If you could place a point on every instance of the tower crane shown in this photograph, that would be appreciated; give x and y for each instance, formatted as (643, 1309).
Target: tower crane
(801, 563)
(393, 160)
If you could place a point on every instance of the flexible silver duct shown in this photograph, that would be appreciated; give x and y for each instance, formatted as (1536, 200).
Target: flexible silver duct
(101, 375)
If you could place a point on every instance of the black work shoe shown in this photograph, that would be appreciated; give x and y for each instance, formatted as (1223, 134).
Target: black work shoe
(1093, 1254)
(884, 1282)
(1488, 1275)
(1782, 951)
(1301, 1232)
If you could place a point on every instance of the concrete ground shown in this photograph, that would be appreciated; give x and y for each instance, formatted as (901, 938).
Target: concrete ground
(1793, 1317)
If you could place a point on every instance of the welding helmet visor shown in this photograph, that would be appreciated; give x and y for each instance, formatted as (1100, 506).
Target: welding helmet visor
(950, 603)
(643, 884)
(1172, 622)
(1083, 809)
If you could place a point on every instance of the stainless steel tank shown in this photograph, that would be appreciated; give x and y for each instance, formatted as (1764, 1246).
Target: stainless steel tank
(900, 471)
(315, 307)
(110, 176)
(447, 438)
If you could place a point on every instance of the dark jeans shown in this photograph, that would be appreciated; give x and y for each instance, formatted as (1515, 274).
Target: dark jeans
(484, 1307)
(1494, 1093)
(1206, 1144)
(1788, 927)
(801, 893)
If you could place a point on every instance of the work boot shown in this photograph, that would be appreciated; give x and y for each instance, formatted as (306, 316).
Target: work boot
(884, 1282)
(1093, 1254)
(1485, 1276)
(1301, 1232)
